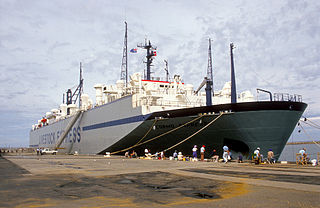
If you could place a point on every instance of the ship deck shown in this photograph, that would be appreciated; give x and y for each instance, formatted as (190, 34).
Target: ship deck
(96, 181)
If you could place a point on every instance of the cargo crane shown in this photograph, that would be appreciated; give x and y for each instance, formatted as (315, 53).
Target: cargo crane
(208, 80)
(73, 97)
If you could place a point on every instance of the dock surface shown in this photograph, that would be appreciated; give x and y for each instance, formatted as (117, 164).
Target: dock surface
(96, 181)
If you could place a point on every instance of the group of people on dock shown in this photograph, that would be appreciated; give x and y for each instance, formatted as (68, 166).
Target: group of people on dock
(257, 157)
(214, 157)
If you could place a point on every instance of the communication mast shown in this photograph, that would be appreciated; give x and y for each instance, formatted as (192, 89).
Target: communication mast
(150, 53)
(167, 70)
(124, 65)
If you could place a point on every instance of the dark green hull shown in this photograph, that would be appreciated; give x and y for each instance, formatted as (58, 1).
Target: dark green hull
(245, 127)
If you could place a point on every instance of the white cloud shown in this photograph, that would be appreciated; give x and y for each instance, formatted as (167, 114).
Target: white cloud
(42, 43)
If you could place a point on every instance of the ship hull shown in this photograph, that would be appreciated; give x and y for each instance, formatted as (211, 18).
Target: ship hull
(242, 127)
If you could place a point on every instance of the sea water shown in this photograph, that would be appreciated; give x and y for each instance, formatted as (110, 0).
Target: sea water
(290, 150)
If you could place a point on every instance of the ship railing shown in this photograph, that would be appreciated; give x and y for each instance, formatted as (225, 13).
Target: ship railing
(170, 79)
(169, 103)
(287, 97)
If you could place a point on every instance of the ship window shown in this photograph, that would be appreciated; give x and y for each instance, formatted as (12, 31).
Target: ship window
(161, 85)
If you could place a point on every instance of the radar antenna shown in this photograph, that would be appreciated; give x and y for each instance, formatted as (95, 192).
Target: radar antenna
(150, 53)
(124, 65)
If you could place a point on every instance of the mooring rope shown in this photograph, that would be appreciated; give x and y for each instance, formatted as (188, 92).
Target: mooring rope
(315, 124)
(189, 137)
(312, 125)
(155, 121)
(309, 136)
(156, 137)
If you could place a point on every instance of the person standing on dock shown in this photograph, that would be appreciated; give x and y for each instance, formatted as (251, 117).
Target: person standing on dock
(194, 152)
(175, 154)
(202, 150)
(162, 156)
(225, 153)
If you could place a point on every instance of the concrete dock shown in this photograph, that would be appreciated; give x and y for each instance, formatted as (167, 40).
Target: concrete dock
(96, 181)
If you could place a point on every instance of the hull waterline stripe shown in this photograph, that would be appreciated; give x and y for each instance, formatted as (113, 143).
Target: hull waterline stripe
(116, 122)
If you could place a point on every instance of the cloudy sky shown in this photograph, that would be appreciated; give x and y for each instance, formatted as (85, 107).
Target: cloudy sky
(42, 42)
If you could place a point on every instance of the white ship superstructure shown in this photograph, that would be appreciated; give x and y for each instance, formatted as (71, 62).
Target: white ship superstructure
(155, 95)
(149, 95)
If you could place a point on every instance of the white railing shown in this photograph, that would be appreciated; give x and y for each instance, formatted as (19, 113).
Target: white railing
(169, 103)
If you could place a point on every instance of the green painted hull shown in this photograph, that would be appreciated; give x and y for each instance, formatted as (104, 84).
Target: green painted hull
(266, 126)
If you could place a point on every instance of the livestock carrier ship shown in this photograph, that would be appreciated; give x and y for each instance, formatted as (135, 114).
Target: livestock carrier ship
(167, 115)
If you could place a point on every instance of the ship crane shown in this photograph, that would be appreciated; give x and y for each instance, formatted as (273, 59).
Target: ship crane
(208, 80)
(201, 85)
(73, 97)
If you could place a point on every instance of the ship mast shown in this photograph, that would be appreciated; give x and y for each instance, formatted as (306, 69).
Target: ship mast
(150, 53)
(233, 78)
(81, 85)
(167, 70)
(209, 80)
(124, 65)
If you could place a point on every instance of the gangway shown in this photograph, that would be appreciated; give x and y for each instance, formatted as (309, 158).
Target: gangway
(69, 126)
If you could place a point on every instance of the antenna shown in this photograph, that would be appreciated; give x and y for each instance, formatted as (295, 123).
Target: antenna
(124, 65)
(167, 70)
(233, 78)
(150, 53)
